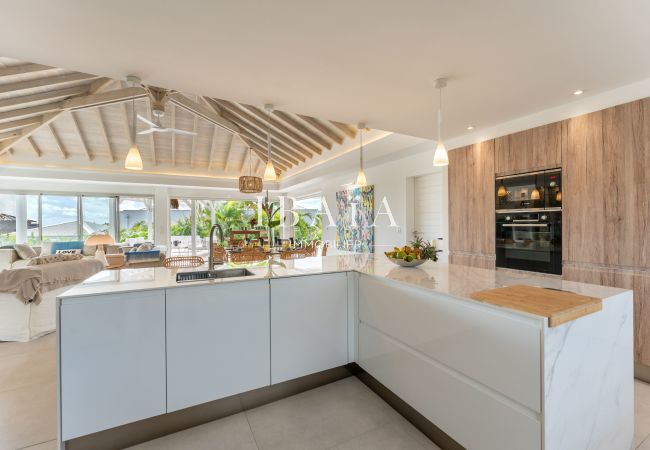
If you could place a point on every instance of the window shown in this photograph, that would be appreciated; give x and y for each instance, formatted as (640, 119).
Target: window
(136, 219)
(180, 228)
(7, 219)
(98, 215)
(309, 226)
(60, 215)
(19, 219)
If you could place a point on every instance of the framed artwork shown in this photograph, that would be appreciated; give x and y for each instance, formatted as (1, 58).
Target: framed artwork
(355, 215)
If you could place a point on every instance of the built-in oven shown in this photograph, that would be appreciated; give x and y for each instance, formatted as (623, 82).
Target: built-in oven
(534, 190)
(529, 239)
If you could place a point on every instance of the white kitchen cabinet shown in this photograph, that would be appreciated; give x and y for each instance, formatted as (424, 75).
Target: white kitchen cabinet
(217, 341)
(309, 325)
(112, 360)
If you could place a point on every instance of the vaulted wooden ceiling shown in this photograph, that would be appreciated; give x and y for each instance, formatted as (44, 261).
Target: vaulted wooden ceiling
(69, 119)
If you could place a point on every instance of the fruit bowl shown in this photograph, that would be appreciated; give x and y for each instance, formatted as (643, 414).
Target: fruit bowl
(401, 262)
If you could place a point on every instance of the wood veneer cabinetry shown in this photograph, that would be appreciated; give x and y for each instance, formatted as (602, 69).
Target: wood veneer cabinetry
(534, 149)
(471, 205)
(606, 217)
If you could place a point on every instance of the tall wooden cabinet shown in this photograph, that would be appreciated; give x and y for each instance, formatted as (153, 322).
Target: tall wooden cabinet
(534, 149)
(471, 205)
(606, 230)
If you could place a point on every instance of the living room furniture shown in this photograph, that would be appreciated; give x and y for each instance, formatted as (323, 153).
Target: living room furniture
(100, 240)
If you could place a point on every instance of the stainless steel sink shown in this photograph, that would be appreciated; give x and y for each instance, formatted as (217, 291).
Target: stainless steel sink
(184, 277)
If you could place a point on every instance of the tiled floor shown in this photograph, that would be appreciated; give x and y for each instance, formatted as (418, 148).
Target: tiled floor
(342, 415)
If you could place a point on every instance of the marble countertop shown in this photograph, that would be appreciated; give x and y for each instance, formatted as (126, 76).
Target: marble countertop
(450, 279)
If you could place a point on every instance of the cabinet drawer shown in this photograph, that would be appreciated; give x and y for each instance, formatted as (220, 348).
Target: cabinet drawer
(496, 348)
(472, 416)
(112, 361)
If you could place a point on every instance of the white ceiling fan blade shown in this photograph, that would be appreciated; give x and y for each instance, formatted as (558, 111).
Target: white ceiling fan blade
(177, 131)
(149, 131)
(147, 121)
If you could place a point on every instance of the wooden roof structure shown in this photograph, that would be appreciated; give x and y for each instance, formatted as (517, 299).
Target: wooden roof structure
(69, 119)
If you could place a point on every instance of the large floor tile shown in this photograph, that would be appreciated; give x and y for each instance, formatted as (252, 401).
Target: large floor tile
(49, 445)
(229, 433)
(319, 418)
(47, 342)
(641, 413)
(387, 437)
(27, 416)
(26, 369)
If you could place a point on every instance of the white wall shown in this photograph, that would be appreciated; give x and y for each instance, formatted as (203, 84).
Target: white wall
(393, 179)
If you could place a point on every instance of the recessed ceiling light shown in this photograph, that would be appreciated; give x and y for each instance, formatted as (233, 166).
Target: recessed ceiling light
(578, 92)
(470, 127)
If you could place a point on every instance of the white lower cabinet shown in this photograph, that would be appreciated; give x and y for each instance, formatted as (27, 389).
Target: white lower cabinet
(112, 362)
(309, 325)
(469, 413)
(217, 341)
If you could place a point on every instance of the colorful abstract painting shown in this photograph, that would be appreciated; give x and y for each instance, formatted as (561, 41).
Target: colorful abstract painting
(356, 209)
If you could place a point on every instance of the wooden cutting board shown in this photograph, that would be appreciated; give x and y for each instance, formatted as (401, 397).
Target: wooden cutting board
(559, 306)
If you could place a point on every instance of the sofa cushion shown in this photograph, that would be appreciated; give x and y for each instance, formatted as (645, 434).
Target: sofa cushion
(71, 245)
(48, 259)
(25, 251)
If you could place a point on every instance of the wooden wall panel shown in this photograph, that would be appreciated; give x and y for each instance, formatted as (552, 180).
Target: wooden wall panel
(534, 149)
(471, 204)
(606, 210)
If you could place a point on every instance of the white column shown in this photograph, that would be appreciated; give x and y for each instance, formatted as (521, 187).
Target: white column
(286, 231)
(161, 216)
(21, 219)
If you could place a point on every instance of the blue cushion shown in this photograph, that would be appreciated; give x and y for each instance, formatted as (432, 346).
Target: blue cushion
(72, 245)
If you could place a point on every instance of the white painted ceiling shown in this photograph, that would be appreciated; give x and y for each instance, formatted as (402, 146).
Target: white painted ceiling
(349, 60)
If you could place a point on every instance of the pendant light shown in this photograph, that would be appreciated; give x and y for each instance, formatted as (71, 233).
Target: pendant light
(250, 184)
(269, 172)
(535, 194)
(440, 157)
(361, 176)
(133, 159)
(502, 192)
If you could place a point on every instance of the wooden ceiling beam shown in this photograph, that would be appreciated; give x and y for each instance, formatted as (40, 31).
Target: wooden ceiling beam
(95, 100)
(45, 82)
(22, 69)
(303, 145)
(323, 128)
(57, 141)
(9, 135)
(152, 140)
(240, 116)
(203, 111)
(21, 123)
(347, 130)
(195, 140)
(25, 100)
(261, 152)
(261, 144)
(226, 162)
(82, 139)
(29, 130)
(304, 129)
(102, 127)
(173, 107)
(30, 111)
(34, 147)
(213, 144)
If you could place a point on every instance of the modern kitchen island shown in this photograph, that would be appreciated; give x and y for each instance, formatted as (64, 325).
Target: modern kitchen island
(134, 344)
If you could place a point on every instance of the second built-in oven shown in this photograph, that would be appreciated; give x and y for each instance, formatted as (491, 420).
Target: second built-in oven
(529, 240)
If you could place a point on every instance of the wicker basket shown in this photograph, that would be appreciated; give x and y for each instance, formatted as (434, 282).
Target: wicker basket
(180, 262)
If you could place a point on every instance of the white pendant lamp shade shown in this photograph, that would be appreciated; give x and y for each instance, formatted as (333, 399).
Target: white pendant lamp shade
(133, 159)
(361, 176)
(440, 157)
(269, 172)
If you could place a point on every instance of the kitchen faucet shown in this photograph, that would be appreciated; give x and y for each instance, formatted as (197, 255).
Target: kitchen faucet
(211, 249)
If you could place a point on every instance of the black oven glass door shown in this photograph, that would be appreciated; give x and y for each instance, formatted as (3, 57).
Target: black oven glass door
(530, 241)
(520, 192)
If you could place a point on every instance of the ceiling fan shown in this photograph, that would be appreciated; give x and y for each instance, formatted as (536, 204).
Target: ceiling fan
(158, 100)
